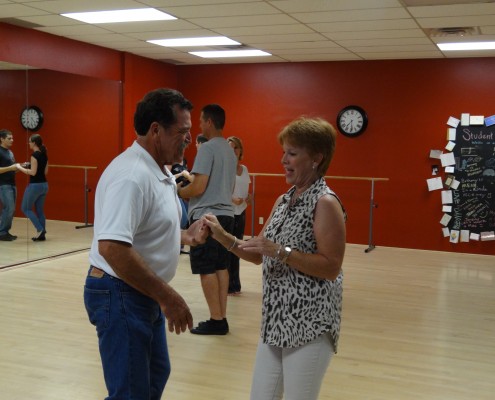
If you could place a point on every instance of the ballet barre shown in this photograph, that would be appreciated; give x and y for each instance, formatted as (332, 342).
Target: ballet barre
(86, 189)
(373, 205)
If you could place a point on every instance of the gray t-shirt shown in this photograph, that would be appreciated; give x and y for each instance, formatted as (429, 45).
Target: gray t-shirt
(216, 159)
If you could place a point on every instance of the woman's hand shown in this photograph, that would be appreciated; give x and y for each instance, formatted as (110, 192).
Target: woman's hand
(217, 231)
(261, 245)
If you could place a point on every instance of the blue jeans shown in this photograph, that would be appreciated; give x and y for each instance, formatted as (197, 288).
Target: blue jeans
(131, 337)
(35, 196)
(8, 195)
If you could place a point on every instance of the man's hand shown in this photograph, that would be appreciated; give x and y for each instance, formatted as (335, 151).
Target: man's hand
(179, 317)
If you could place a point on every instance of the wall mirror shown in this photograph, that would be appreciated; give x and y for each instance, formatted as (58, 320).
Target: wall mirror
(81, 130)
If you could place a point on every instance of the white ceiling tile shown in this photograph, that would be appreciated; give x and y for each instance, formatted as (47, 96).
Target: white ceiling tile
(384, 42)
(353, 15)
(222, 10)
(265, 30)
(294, 6)
(364, 25)
(444, 22)
(458, 10)
(385, 34)
(280, 19)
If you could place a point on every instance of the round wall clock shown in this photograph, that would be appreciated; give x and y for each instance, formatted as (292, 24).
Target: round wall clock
(32, 118)
(352, 121)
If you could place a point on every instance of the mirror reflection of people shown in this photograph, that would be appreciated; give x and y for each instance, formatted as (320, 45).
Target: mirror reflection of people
(135, 251)
(302, 249)
(8, 190)
(241, 198)
(37, 189)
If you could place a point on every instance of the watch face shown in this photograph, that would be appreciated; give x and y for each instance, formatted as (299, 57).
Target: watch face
(32, 118)
(352, 121)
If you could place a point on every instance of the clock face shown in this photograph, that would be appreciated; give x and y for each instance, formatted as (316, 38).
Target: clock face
(32, 118)
(352, 121)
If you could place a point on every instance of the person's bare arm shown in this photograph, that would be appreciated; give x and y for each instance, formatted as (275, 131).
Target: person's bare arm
(195, 188)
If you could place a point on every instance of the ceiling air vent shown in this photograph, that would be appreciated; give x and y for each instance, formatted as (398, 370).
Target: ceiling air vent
(459, 31)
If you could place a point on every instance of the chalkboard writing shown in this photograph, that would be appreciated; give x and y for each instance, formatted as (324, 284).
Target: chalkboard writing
(473, 203)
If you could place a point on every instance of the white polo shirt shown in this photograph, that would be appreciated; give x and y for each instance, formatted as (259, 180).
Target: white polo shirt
(136, 202)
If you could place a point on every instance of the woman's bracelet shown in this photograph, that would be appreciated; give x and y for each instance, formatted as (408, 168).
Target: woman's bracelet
(278, 251)
(233, 244)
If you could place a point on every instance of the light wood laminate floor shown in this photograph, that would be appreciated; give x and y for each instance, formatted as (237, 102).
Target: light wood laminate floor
(416, 325)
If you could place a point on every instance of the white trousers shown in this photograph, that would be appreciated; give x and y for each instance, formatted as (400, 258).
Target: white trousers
(297, 372)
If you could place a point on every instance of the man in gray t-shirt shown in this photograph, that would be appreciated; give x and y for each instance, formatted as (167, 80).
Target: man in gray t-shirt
(210, 191)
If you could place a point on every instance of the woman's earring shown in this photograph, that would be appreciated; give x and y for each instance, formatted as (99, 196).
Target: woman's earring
(314, 165)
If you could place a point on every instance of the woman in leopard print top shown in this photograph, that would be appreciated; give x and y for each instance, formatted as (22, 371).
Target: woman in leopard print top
(302, 249)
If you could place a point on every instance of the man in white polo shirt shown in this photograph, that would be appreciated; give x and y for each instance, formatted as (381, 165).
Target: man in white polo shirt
(135, 251)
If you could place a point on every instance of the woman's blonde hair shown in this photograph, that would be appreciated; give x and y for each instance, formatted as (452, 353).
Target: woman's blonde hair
(238, 143)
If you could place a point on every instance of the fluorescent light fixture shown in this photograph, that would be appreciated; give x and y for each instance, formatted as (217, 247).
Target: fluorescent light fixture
(195, 41)
(133, 15)
(230, 53)
(466, 46)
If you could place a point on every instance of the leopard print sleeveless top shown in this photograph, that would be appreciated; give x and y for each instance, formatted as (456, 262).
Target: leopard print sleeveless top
(297, 308)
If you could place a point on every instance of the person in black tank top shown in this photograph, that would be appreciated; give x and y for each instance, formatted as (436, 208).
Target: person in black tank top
(35, 194)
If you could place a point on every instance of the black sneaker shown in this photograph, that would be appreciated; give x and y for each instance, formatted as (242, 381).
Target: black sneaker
(6, 238)
(211, 327)
(12, 237)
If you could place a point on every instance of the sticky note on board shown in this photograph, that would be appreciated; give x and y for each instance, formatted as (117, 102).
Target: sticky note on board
(451, 132)
(454, 236)
(449, 170)
(485, 236)
(464, 235)
(474, 236)
(450, 145)
(453, 122)
(446, 196)
(464, 119)
(447, 159)
(435, 153)
(489, 121)
(476, 120)
(434, 183)
(447, 209)
(445, 219)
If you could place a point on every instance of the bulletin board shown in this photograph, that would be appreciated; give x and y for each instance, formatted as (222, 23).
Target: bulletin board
(465, 176)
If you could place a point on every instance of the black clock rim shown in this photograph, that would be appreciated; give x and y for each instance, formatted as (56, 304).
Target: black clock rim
(365, 121)
(40, 113)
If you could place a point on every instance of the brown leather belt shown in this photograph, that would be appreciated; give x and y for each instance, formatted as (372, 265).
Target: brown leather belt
(96, 272)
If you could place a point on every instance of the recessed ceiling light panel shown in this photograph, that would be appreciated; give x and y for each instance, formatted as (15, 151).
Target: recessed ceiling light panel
(466, 46)
(195, 41)
(133, 15)
(230, 53)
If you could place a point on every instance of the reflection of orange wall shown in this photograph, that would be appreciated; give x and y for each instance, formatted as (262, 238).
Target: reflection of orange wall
(408, 103)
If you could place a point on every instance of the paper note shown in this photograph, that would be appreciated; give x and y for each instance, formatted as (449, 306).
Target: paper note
(474, 236)
(464, 119)
(489, 121)
(450, 146)
(451, 133)
(449, 181)
(446, 196)
(455, 184)
(449, 170)
(476, 120)
(485, 236)
(447, 209)
(447, 159)
(464, 235)
(445, 219)
(435, 153)
(454, 236)
(446, 232)
(434, 183)
(453, 122)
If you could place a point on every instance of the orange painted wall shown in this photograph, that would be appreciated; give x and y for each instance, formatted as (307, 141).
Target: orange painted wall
(408, 103)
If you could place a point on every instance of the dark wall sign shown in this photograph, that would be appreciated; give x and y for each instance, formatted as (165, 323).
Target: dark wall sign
(473, 206)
